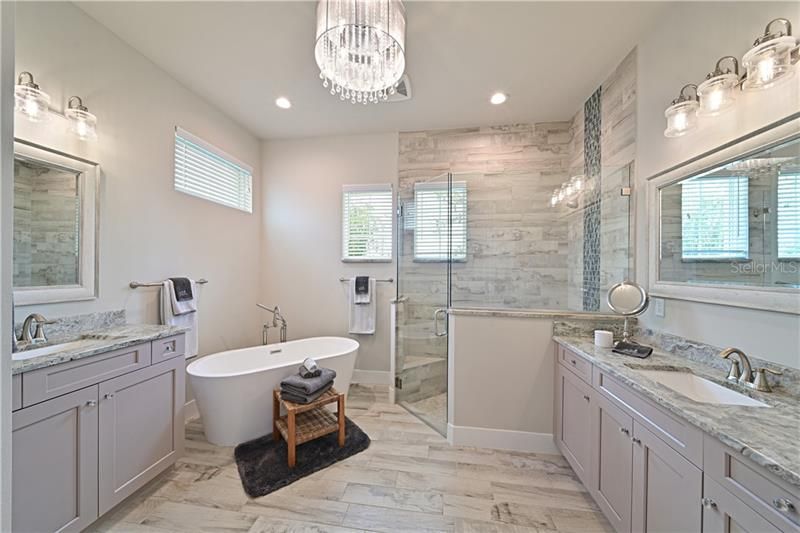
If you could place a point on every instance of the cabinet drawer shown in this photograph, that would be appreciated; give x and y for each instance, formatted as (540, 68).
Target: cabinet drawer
(576, 363)
(168, 347)
(724, 513)
(775, 500)
(16, 392)
(681, 436)
(45, 383)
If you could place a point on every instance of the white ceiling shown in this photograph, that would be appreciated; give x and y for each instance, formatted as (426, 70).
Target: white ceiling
(240, 56)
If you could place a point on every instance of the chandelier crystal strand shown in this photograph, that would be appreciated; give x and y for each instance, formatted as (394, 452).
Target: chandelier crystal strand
(360, 48)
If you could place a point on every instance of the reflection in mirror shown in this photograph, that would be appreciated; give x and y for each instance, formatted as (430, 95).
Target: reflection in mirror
(738, 224)
(47, 221)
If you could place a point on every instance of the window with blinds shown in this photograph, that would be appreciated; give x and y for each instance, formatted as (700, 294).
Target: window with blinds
(714, 218)
(434, 238)
(205, 171)
(367, 223)
(789, 216)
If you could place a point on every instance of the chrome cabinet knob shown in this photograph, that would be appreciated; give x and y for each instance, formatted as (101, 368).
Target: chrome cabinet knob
(783, 505)
(91, 403)
(708, 503)
(635, 440)
(625, 431)
(586, 397)
(109, 396)
(168, 348)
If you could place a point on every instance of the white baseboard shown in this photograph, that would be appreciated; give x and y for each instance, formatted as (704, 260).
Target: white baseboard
(371, 377)
(501, 439)
(190, 411)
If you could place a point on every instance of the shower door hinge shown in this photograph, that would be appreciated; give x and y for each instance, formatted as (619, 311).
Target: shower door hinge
(398, 382)
(625, 191)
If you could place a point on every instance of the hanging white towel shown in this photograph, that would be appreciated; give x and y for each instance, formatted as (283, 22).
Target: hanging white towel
(187, 319)
(362, 315)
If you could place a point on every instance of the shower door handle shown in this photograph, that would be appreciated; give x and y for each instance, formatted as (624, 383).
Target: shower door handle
(436, 322)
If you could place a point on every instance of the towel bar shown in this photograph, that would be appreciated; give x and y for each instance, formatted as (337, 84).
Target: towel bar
(389, 280)
(137, 284)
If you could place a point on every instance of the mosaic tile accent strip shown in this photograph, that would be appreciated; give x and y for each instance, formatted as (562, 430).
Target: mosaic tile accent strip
(591, 214)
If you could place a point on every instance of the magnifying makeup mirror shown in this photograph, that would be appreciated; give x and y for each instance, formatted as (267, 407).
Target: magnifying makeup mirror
(628, 299)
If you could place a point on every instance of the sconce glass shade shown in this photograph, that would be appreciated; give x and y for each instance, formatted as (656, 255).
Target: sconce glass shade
(82, 123)
(681, 118)
(717, 94)
(768, 63)
(31, 101)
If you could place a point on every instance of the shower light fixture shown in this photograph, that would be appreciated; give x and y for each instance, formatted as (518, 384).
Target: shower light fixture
(569, 192)
(81, 122)
(498, 98)
(30, 100)
(770, 59)
(718, 92)
(682, 113)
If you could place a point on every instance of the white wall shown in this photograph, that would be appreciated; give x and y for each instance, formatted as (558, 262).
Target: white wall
(301, 255)
(147, 230)
(682, 48)
(7, 81)
(500, 382)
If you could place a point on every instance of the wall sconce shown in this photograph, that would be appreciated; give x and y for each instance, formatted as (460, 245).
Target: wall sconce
(718, 92)
(81, 122)
(30, 100)
(682, 114)
(770, 59)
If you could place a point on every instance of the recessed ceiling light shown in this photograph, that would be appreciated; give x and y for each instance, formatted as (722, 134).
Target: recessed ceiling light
(498, 98)
(283, 103)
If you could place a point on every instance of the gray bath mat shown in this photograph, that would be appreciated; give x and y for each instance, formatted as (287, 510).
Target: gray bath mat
(263, 467)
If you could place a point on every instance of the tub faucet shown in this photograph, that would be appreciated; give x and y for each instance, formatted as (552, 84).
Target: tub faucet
(276, 317)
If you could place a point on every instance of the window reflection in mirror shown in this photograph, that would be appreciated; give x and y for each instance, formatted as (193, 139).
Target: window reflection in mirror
(47, 222)
(738, 224)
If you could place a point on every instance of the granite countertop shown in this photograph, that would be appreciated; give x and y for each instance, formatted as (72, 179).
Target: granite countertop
(92, 343)
(532, 313)
(770, 436)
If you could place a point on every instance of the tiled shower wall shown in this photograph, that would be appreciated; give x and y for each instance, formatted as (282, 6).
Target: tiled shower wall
(521, 252)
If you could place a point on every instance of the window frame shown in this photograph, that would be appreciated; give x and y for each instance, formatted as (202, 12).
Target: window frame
(218, 152)
(796, 175)
(448, 256)
(373, 188)
(720, 258)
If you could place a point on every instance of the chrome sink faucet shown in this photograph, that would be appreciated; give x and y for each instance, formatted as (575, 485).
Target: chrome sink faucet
(25, 338)
(276, 317)
(754, 380)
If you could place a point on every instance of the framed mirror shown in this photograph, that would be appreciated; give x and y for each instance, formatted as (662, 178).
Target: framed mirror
(55, 226)
(726, 227)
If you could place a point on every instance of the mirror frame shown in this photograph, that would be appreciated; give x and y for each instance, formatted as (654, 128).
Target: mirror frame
(784, 300)
(87, 286)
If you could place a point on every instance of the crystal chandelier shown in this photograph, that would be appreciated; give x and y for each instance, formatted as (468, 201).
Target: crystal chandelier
(360, 48)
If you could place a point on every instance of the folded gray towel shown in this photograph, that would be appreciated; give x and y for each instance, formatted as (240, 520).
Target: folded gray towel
(299, 384)
(305, 398)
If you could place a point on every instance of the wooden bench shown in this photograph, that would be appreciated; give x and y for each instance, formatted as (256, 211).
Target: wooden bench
(307, 421)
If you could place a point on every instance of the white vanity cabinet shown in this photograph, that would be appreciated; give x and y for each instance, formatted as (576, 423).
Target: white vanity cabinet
(77, 455)
(650, 471)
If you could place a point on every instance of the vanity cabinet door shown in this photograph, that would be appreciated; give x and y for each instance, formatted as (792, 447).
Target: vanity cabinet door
(612, 462)
(55, 464)
(141, 428)
(666, 487)
(574, 425)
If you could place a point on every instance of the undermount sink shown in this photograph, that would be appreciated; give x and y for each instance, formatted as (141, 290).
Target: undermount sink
(699, 389)
(55, 348)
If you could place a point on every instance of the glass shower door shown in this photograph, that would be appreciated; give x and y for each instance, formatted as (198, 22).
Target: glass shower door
(423, 295)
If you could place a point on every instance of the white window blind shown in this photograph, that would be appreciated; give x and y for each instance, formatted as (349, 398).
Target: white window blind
(367, 223)
(714, 218)
(205, 171)
(432, 231)
(789, 216)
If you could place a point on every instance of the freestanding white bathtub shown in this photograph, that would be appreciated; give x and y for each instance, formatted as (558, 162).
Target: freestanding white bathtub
(234, 388)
